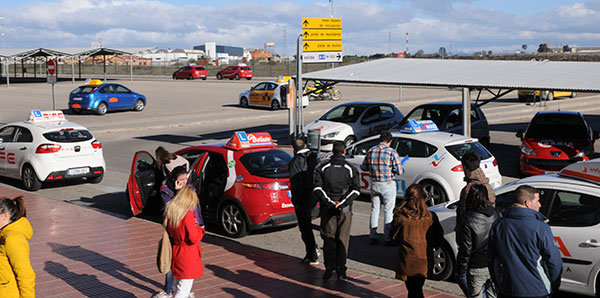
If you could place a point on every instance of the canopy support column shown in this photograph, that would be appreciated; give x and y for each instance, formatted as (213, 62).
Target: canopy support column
(104, 66)
(466, 101)
(131, 67)
(73, 69)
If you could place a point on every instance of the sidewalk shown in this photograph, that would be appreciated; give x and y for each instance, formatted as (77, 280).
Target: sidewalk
(77, 252)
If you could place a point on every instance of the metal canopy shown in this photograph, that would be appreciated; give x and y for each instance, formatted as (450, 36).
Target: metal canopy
(472, 74)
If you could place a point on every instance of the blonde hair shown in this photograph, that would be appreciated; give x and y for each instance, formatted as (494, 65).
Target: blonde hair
(185, 200)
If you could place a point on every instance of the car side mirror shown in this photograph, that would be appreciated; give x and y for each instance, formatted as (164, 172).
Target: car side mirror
(1, 140)
(595, 133)
(519, 134)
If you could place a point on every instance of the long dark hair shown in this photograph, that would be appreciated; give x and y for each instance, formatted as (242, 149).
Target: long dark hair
(477, 197)
(15, 207)
(163, 156)
(414, 206)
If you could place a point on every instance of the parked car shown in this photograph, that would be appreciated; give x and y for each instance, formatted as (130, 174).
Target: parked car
(571, 202)
(447, 115)
(270, 94)
(235, 72)
(546, 95)
(104, 97)
(191, 73)
(553, 140)
(353, 121)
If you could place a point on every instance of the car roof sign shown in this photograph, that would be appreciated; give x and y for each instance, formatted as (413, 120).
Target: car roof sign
(38, 116)
(585, 170)
(93, 82)
(414, 126)
(241, 140)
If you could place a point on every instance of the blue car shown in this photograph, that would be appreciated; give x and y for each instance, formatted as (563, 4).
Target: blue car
(103, 97)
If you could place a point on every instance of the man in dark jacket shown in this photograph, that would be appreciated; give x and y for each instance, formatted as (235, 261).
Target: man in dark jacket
(522, 258)
(301, 169)
(336, 185)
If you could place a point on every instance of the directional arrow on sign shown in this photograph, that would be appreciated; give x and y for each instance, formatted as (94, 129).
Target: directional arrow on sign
(306, 46)
(305, 23)
(306, 35)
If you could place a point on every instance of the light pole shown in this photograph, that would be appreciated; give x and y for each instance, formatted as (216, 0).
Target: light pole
(2, 31)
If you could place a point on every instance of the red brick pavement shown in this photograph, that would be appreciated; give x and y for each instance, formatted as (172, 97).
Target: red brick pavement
(78, 252)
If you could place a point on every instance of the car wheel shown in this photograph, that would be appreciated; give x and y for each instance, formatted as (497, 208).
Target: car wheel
(244, 102)
(139, 105)
(190, 77)
(275, 105)
(349, 140)
(174, 77)
(75, 111)
(232, 221)
(550, 96)
(204, 78)
(434, 193)
(219, 76)
(30, 179)
(102, 108)
(249, 79)
(443, 263)
(573, 95)
(97, 179)
(237, 76)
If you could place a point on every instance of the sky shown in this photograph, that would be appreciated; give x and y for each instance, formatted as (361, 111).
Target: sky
(369, 27)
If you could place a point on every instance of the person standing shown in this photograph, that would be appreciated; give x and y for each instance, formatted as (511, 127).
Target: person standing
(473, 175)
(18, 277)
(473, 241)
(418, 232)
(185, 234)
(522, 258)
(382, 162)
(336, 185)
(301, 169)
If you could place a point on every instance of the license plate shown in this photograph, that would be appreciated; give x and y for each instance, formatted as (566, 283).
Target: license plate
(78, 171)
(77, 98)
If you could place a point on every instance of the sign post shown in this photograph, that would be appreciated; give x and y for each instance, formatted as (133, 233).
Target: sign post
(51, 69)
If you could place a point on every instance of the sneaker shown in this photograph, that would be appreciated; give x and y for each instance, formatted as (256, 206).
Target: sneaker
(310, 261)
(162, 294)
(341, 275)
(373, 241)
(327, 275)
(318, 252)
(192, 295)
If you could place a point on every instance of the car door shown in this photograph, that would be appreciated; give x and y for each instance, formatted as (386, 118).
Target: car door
(575, 221)
(226, 73)
(126, 97)
(6, 137)
(256, 94)
(356, 156)
(20, 148)
(268, 94)
(369, 120)
(418, 153)
(141, 181)
(109, 96)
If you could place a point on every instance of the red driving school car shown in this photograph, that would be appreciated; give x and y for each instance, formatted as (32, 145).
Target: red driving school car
(242, 184)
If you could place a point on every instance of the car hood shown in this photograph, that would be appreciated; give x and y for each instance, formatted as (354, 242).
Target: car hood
(544, 147)
(245, 92)
(329, 126)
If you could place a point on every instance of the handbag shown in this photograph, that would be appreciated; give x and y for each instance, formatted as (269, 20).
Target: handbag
(165, 253)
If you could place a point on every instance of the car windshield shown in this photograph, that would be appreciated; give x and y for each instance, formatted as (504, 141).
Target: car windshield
(344, 114)
(84, 90)
(68, 136)
(557, 126)
(460, 149)
(267, 164)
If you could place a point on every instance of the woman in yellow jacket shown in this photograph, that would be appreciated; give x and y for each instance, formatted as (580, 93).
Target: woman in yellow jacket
(17, 278)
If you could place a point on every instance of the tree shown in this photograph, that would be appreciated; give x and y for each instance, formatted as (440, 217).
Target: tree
(566, 49)
(524, 47)
(543, 48)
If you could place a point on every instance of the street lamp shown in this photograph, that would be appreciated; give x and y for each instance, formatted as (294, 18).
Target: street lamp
(2, 31)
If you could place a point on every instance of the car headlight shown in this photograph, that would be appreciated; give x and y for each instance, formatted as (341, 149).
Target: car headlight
(331, 135)
(527, 150)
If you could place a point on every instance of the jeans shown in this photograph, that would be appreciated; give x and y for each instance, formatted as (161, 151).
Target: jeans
(169, 282)
(183, 288)
(479, 283)
(382, 193)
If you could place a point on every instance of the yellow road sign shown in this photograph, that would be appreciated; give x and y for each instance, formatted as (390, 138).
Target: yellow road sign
(322, 46)
(321, 23)
(308, 34)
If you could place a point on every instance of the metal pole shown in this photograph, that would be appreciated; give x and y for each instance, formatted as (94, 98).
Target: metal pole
(291, 112)
(73, 69)
(104, 67)
(299, 90)
(466, 97)
(400, 93)
(7, 73)
(131, 67)
(53, 99)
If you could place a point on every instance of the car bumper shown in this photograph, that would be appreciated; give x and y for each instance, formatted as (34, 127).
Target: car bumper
(539, 166)
(63, 175)
(276, 221)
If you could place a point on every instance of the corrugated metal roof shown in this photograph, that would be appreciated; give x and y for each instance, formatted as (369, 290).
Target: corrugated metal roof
(9, 53)
(545, 75)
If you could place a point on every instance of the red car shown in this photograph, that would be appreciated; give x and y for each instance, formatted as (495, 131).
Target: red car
(190, 73)
(242, 184)
(236, 72)
(553, 140)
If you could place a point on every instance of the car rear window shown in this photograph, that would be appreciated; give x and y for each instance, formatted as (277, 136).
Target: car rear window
(199, 68)
(68, 136)
(84, 90)
(344, 114)
(557, 127)
(246, 68)
(460, 149)
(267, 164)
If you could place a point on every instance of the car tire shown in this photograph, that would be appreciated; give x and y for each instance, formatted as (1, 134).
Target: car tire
(204, 78)
(190, 77)
(443, 263)
(97, 179)
(30, 179)
(244, 102)
(434, 193)
(275, 105)
(573, 95)
(237, 77)
(174, 77)
(231, 220)
(219, 76)
(249, 79)
(139, 105)
(102, 108)
(598, 285)
(75, 111)
(349, 140)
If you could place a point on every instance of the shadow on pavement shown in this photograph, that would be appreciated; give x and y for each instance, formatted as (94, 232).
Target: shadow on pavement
(280, 135)
(86, 284)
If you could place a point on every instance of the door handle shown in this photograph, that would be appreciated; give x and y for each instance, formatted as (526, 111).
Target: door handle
(23, 148)
(150, 184)
(590, 243)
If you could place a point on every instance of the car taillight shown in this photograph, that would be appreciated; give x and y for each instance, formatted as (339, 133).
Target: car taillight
(457, 168)
(267, 186)
(47, 148)
(495, 163)
(96, 144)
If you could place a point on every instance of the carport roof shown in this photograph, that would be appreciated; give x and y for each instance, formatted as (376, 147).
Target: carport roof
(474, 74)
(36, 52)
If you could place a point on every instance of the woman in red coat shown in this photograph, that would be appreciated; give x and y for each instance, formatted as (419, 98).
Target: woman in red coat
(180, 222)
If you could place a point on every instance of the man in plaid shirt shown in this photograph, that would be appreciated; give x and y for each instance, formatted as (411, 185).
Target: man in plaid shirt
(382, 162)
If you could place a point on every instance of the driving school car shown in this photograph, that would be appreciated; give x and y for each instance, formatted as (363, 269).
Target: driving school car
(47, 147)
(433, 160)
(570, 201)
(242, 184)
(272, 94)
(103, 97)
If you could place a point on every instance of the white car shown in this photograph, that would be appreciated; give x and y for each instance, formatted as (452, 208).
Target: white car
(571, 202)
(433, 161)
(271, 94)
(46, 147)
(353, 121)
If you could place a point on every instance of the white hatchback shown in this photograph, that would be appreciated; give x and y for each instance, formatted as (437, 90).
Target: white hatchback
(46, 147)
(571, 202)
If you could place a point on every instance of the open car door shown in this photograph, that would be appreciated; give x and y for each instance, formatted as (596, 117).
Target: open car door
(141, 181)
(196, 172)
